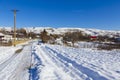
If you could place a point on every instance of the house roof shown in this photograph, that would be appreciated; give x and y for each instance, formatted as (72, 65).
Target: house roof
(93, 36)
(1, 34)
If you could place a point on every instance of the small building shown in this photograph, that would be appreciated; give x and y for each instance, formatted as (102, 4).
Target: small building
(93, 38)
(117, 39)
(1, 36)
(5, 38)
(59, 41)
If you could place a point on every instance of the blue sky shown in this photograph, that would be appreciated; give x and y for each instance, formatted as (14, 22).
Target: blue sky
(100, 14)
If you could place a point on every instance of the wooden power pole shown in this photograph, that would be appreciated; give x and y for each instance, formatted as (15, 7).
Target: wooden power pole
(14, 26)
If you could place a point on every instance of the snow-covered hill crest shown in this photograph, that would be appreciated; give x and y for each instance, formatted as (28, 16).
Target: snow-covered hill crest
(110, 33)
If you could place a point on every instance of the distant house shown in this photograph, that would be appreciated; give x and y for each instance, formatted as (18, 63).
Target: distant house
(5, 38)
(59, 41)
(93, 37)
(1, 36)
(117, 39)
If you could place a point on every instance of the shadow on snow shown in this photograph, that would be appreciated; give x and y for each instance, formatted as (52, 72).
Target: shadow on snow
(87, 71)
(34, 69)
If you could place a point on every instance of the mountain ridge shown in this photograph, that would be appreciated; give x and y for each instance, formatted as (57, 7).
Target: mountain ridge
(50, 30)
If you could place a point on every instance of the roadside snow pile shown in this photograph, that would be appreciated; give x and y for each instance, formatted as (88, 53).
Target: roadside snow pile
(104, 63)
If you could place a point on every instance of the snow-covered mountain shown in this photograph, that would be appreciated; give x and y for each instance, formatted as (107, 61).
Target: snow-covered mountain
(110, 33)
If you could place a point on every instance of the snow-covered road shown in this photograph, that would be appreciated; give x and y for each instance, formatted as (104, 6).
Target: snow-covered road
(52, 62)
(15, 65)
(51, 68)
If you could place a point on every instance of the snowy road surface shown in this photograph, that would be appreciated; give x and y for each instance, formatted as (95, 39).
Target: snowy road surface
(15, 65)
(53, 62)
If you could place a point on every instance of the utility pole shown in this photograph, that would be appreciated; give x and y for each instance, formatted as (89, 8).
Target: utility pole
(14, 11)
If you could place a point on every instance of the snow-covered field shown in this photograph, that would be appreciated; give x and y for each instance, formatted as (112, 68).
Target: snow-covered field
(94, 64)
(55, 62)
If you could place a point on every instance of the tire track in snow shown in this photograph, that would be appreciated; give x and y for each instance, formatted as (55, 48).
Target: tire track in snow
(109, 74)
(51, 71)
(7, 62)
(90, 73)
(17, 66)
(36, 63)
(75, 74)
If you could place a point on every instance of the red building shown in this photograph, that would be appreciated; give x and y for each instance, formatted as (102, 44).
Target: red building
(93, 37)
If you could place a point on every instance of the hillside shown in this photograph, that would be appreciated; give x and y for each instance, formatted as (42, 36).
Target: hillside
(37, 30)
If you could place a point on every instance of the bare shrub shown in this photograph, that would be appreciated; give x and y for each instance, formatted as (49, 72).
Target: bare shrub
(108, 46)
(74, 37)
(19, 50)
(44, 36)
